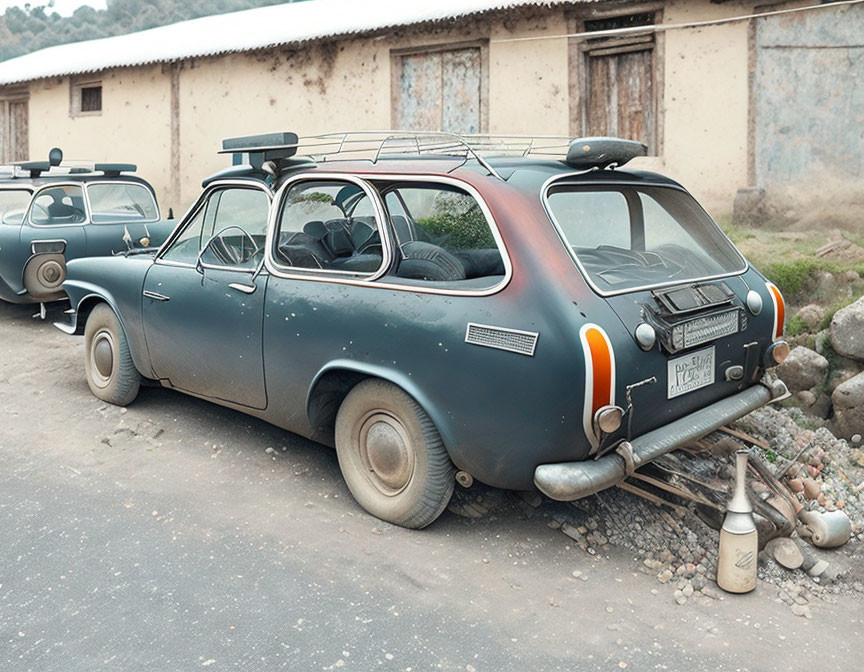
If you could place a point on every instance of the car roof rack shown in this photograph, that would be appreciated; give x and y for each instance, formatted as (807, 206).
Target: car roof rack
(583, 153)
(55, 165)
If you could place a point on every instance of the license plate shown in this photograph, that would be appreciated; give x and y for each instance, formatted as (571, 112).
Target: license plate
(690, 372)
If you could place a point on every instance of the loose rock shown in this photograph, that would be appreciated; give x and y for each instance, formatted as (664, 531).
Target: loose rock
(847, 330)
(803, 370)
(785, 552)
(848, 400)
(812, 315)
(811, 489)
(819, 568)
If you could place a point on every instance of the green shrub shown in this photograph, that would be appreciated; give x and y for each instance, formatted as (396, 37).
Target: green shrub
(461, 231)
(796, 326)
(791, 277)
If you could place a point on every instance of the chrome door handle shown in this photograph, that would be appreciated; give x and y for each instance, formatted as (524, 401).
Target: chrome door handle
(242, 287)
(156, 296)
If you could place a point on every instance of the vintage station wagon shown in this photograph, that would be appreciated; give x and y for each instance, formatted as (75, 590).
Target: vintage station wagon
(51, 212)
(547, 319)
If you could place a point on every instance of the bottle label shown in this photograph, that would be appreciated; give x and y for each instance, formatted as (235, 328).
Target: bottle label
(744, 558)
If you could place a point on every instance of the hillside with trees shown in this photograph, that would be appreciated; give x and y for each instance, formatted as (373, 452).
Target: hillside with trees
(38, 26)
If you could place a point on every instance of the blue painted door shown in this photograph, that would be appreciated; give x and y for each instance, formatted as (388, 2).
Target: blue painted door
(205, 336)
(203, 306)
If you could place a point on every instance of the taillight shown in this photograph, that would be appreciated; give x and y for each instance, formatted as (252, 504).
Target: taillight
(779, 309)
(599, 376)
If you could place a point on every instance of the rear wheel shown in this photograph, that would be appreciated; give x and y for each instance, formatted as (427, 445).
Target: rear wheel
(111, 375)
(44, 275)
(391, 455)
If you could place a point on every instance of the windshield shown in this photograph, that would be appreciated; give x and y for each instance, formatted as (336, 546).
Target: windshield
(121, 203)
(631, 237)
(13, 205)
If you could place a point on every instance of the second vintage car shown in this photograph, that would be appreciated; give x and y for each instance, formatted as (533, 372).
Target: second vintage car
(51, 213)
(545, 320)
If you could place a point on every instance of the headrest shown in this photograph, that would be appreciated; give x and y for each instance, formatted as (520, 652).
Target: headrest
(315, 229)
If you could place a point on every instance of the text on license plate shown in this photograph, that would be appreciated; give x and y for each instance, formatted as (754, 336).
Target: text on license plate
(690, 372)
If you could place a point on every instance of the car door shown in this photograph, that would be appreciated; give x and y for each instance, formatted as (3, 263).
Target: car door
(203, 299)
(54, 226)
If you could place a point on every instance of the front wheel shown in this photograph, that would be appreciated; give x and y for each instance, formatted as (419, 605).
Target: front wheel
(391, 455)
(111, 374)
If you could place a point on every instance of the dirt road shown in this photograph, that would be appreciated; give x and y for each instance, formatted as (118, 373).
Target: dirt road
(177, 535)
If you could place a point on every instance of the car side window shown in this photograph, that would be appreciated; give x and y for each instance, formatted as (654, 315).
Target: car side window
(13, 205)
(121, 202)
(236, 230)
(187, 245)
(328, 225)
(444, 236)
(57, 206)
(237, 212)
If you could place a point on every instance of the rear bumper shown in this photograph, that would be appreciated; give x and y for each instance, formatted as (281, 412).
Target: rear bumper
(567, 481)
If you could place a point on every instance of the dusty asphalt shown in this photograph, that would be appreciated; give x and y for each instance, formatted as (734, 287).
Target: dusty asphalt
(166, 537)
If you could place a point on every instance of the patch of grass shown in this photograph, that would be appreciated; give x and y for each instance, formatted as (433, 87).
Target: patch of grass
(737, 234)
(796, 326)
(833, 308)
(791, 277)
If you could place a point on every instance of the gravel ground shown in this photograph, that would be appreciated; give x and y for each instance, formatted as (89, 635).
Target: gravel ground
(177, 535)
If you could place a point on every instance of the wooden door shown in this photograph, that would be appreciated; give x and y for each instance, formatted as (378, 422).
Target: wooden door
(439, 90)
(619, 100)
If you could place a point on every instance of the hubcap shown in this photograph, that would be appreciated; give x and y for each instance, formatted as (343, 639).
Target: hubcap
(102, 357)
(386, 452)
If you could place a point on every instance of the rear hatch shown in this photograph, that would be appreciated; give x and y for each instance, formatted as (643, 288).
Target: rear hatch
(659, 260)
(705, 350)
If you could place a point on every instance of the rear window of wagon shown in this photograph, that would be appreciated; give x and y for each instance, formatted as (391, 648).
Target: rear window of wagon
(628, 237)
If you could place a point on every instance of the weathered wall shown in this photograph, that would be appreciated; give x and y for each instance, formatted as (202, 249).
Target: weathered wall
(346, 85)
(134, 125)
(809, 114)
(705, 102)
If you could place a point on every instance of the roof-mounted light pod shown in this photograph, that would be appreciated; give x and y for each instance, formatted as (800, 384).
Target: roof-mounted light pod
(587, 153)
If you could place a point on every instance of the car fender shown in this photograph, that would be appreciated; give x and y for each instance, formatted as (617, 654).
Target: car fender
(84, 296)
(394, 376)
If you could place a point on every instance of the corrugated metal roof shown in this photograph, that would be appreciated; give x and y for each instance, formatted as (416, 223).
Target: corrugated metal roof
(245, 31)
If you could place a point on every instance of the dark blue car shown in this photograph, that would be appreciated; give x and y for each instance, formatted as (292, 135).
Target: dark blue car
(547, 320)
(51, 213)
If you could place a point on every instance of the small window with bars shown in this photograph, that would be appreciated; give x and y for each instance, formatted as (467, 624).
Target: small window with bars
(86, 99)
(91, 98)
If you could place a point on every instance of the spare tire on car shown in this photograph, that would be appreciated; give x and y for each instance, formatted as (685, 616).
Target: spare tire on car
(44, 275)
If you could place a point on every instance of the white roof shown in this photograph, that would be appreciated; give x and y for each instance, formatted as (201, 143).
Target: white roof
(245, 31)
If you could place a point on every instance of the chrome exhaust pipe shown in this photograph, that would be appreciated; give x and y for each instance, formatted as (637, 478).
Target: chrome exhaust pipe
(568, 481)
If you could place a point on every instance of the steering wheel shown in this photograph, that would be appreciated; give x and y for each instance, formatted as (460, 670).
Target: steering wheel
(228, 254)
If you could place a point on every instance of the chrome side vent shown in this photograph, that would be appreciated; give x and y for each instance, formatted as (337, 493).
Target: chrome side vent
(512, 340)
